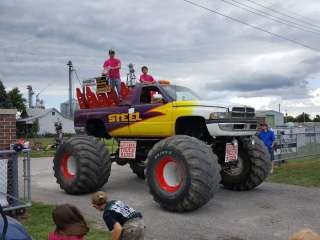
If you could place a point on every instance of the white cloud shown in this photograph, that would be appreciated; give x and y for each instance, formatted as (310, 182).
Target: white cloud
(256, 102)
(316, 97)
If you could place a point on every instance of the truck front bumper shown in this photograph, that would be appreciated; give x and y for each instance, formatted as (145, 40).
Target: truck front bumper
(225, 127)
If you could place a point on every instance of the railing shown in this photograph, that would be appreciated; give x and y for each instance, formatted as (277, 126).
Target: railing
(297, 145)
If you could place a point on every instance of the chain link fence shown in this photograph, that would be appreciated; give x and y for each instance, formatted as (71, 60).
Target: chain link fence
(297, 145)
(15, 181)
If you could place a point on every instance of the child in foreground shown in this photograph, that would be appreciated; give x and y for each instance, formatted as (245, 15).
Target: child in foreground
(124, 222)
(70, 224)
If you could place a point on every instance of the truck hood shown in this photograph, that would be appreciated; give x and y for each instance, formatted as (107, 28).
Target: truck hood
(205, 104)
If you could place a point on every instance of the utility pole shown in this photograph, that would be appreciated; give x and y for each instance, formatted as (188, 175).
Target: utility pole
(69, 64)
(279, 108)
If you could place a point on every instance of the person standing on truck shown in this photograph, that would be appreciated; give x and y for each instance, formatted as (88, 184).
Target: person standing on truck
(112, 68)
(123, 221)
(267, 136)
(145, 77)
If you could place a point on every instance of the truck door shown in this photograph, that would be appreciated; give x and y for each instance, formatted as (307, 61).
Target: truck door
(117, 121)
(151, 116)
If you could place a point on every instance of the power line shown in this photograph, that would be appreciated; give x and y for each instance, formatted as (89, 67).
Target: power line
(284, 14)
(252, 26)
(272, 17)
(75, 71)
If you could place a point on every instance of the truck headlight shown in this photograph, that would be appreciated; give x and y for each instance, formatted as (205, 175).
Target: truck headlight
(219, 115)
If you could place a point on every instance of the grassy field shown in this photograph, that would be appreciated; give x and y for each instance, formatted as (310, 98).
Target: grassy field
(302, 172)
(46, 141)
(38, 222)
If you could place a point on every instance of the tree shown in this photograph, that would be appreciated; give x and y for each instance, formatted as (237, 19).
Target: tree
(17, 100)
(317, 118)
(4, 100)
(290, 119)
(35, 128)
(304, 117)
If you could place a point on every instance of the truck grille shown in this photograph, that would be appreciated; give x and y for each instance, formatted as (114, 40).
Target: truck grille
(243, 112)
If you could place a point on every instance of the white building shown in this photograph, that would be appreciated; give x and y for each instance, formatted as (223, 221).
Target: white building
(271, 117)
(46, 118)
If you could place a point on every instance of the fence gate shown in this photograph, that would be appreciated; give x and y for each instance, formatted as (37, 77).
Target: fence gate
(15, 186)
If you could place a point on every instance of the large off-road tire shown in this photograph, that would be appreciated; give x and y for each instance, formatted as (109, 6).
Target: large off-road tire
(82, 165)
(253, 166)
(182, 173)
(138, 168)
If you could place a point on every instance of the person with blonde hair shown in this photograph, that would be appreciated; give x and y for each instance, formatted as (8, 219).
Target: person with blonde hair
(305, 234)
(123, 221)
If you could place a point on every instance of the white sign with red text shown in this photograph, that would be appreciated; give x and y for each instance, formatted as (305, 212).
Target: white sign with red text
(231, 152)
(128, 149)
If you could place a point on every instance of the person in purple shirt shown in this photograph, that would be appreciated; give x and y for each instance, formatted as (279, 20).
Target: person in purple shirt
(268, 137)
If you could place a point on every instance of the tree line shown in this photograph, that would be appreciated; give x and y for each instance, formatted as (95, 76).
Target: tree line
(303, 117)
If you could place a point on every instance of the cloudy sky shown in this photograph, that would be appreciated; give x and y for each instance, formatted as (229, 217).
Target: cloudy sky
(223, 60)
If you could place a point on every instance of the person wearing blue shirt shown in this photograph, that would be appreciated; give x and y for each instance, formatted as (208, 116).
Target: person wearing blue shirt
(267, 136)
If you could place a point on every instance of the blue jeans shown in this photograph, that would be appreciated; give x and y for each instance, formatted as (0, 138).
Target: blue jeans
(271, 154)
(116, 84)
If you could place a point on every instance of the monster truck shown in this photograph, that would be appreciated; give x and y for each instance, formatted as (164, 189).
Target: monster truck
(183, 146)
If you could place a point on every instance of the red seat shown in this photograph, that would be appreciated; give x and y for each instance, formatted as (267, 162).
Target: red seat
(92, 100)
(113, 97)
(81, 99)
(124, 90)
(104, 101)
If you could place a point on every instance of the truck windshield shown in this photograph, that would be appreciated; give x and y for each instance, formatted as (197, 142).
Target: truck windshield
(179, 93)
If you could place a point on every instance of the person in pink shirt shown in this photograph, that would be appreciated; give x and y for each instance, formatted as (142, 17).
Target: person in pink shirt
(112, 68)
(70, 224)
(145, 77)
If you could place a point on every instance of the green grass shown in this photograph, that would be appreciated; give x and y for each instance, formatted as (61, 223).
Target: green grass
(38, 223)
(302, 172)
(45, 141)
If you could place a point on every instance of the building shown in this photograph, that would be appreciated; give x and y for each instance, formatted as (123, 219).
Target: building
(46, 118)
(271, 117)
